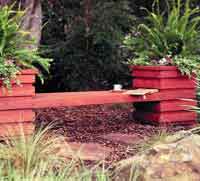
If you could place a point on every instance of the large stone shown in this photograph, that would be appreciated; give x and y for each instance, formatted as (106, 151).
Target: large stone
(176, 158)
(85, 151)
(122, 138)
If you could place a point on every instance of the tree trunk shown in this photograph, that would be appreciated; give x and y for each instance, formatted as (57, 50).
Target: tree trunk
(87, 14)
(33, 19)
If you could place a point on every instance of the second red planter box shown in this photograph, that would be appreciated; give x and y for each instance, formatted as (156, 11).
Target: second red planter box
(166, 111)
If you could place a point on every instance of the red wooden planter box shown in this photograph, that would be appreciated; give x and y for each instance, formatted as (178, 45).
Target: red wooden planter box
(14, 121)
(164, 78)
(160, 77)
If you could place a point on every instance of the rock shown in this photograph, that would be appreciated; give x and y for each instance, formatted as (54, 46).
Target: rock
(122, 138)
(177, 158)
(85, 151)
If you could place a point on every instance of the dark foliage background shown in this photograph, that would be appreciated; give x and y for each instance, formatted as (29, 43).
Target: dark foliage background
(84, 38)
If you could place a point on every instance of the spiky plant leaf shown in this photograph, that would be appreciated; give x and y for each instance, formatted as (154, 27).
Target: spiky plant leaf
(15, 46)
(177, 36)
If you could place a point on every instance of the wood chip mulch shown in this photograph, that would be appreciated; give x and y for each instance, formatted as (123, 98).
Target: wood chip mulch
(90, 124)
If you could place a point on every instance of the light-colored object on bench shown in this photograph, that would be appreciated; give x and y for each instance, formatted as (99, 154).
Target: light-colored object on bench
(140, 92)
(117, 87)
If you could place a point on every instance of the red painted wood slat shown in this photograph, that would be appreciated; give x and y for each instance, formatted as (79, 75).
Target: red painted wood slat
(18, 91)
(16, 116)
(166, 117)
(26, 76)
(16, 129)
(156, 68)
(163, 106)
(26, 79)
(176, 83)
(157, 74)
(15, 103)
(29, 72)
(23, 79)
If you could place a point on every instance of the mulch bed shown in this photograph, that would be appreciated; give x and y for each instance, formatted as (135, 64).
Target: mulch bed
(87, 124)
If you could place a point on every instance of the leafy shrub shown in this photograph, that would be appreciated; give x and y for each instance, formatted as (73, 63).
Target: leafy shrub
(84, 40)
(173, 39)
(15, 52)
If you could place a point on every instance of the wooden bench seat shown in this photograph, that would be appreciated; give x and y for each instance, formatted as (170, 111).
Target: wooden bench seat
(158, 107)
(45, 100)
(103, 97)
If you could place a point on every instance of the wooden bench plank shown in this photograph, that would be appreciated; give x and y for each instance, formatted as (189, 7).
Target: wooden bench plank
(104, 97)
(46, 100)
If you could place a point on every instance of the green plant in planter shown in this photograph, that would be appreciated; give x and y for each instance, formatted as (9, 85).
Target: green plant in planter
(168, 38)
(15, 51)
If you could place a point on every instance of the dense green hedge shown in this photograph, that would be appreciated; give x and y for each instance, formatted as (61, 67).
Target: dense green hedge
(85, 39)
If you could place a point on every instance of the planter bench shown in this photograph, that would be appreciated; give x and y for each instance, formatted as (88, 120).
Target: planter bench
(159, 102)
(20, 107)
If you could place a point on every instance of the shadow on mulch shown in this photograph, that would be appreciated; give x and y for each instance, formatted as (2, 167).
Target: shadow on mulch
(88, 124)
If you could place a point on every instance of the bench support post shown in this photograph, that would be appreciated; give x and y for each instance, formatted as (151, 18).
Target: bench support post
(16, 121)
(169, 112)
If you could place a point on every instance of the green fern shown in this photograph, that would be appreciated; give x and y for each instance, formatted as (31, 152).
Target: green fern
(177, 36)
(15, 51)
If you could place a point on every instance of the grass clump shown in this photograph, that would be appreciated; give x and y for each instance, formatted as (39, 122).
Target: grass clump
(37, 158)
(157, 138)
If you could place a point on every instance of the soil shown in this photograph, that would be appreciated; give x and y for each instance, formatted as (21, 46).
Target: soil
(96, 124)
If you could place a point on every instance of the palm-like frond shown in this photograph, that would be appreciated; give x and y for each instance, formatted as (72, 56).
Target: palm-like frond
(15, 45)
(176, 36)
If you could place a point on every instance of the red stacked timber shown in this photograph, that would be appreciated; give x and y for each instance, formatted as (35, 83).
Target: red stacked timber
(168, 110)
(15, 121)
